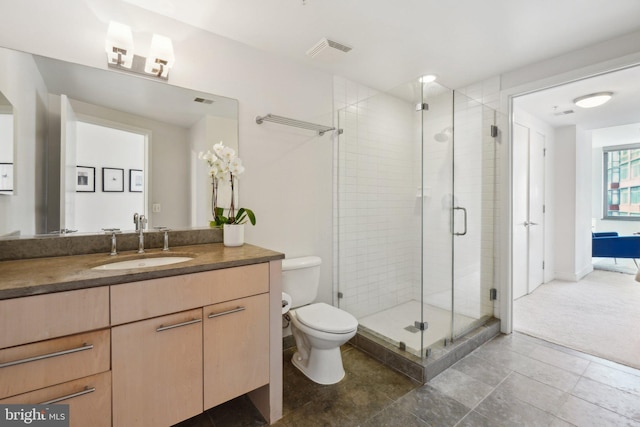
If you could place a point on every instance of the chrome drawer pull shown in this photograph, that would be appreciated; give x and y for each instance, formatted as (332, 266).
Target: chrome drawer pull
(86, 390)
(224, 313)
(47, 356)
(177, 325)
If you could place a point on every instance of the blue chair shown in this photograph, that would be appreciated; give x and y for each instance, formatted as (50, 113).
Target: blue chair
(610, 245)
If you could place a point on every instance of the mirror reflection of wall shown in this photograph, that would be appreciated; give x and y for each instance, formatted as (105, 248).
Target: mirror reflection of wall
(6, 146)
(111, 162)
(177, 188)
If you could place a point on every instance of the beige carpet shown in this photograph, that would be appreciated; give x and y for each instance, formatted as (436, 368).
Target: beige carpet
(599, 315)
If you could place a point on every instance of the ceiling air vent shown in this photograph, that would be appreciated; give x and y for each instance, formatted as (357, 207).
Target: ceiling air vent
(563, 113)
(327, 49)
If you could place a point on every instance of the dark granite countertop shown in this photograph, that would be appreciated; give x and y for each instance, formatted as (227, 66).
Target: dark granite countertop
(36, 276)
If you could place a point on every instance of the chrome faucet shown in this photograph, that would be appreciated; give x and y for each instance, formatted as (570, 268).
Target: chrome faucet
(113, 232)
(141, 223)
(166, 231)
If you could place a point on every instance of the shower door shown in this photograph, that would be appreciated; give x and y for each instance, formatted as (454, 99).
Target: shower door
(473, 206)
(437, 135)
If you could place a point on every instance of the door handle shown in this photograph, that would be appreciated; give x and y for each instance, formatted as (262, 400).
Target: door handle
(527, 223)
(464, 210)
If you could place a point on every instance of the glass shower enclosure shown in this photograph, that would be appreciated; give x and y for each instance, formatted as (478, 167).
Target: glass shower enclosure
(415, 212)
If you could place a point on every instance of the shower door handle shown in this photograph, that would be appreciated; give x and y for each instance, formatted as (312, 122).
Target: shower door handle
(464, 210)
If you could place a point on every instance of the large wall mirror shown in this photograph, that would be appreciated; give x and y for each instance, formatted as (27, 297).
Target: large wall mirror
(97, 146)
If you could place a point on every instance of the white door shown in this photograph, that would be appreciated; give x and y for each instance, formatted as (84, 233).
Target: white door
(528, 210)
(520, 210)
(536, 210)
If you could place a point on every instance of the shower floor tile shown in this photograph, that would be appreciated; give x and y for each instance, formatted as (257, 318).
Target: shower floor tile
(395, 324)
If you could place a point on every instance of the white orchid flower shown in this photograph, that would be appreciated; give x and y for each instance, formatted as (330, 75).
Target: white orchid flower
(235, 166)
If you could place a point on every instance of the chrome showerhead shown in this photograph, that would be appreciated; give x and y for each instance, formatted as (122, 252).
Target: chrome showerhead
(443, 136)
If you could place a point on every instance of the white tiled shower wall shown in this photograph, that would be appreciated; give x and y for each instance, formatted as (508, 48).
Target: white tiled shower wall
(378, 216)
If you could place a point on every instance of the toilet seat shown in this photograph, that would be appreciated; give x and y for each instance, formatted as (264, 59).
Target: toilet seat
(326, 318)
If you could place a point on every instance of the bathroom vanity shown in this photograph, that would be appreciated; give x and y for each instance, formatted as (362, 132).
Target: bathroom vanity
(147, 346)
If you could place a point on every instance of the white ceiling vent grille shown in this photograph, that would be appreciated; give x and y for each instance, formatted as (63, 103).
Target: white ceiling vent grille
(327, 49)
(563, 113)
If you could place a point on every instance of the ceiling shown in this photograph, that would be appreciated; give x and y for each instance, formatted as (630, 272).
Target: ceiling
(555, 106)
(462, 41)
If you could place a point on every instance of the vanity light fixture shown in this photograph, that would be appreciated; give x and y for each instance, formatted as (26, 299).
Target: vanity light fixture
(119, 45)
(161, 56)
(120, 54)
(593, 99)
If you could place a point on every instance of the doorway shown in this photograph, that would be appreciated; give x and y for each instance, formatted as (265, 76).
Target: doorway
(572, 207)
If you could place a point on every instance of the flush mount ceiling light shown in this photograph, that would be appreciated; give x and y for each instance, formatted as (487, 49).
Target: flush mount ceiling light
(428, 78)
(120, 55)
(593, 100)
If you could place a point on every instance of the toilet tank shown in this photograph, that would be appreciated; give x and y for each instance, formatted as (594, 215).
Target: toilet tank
(300, 279)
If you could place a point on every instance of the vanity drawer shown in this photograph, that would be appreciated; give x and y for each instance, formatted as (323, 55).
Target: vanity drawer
(157, 297)
(89, 399)
(41, 317)
(42, 364)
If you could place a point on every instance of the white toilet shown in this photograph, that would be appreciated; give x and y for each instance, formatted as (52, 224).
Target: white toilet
(318, 328)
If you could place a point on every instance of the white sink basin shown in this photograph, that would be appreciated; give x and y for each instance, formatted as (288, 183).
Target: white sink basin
(143, 263)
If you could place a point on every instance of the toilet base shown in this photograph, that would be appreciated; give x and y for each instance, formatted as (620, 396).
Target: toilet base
(324, 366)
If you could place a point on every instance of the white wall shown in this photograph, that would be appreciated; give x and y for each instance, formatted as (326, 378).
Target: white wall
(583, 202)
(573, 203)
(288, 171)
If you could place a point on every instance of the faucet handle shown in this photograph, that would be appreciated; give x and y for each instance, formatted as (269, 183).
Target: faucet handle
(111, 230)
(166, 231)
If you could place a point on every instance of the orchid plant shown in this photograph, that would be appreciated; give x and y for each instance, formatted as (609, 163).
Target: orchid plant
(224, 168)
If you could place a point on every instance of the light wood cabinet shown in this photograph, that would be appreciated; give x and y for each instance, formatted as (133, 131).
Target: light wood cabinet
(56, 348)
(148, 353)
(157, 370)
(89, 399)
(220, 351)
(236, 348)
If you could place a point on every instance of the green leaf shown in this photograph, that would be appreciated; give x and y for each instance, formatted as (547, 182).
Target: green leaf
(243, 214)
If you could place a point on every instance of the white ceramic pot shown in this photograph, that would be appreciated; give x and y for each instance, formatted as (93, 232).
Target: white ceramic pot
(233, 234)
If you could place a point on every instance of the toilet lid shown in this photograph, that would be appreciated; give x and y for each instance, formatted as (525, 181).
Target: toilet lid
(327, 318)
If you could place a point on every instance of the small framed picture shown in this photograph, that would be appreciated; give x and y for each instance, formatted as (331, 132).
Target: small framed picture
(112, 180)
(85, 179)
(6, 176)
(136, 181)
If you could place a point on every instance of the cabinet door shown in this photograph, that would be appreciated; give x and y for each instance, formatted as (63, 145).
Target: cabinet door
(89, 399)
(236, 348)
(157, 370)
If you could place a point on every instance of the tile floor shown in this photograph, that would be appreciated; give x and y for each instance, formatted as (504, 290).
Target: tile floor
(513, 380)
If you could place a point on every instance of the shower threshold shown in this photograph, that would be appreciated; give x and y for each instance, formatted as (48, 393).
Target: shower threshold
(439, 357)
